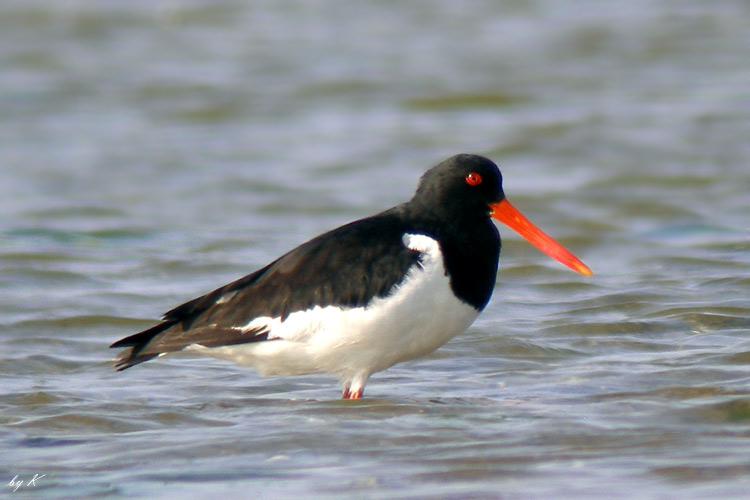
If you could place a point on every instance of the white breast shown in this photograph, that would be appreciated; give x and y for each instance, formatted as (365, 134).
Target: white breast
(417, 317)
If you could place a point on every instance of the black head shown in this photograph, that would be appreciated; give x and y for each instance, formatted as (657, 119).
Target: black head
(458, 197)
(460, 188)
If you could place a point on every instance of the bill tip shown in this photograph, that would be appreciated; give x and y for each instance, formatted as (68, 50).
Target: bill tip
(584, 269)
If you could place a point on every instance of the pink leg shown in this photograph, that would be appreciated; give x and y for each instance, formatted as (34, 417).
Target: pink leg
(349, 394)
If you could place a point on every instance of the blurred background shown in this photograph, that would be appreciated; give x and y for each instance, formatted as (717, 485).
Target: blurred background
(151, 151)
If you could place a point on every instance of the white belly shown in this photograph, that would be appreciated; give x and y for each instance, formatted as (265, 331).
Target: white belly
(416, 318)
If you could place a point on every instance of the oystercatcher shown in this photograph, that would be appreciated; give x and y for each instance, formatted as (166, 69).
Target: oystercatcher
(363, 297)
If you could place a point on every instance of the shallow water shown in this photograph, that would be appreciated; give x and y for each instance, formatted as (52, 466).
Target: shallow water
(150, 152)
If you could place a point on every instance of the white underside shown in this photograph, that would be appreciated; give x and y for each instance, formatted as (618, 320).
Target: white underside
(417, 317)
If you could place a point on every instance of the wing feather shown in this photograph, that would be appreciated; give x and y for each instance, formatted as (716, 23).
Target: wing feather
(346, 267)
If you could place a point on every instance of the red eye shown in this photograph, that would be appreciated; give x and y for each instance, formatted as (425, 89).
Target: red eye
(473, 179)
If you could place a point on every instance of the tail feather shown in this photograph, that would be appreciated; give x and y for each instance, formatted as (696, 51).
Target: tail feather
(128, 359)
(163, 338)
(137, 342)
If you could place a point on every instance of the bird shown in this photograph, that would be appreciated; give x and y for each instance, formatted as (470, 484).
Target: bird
(360, 298)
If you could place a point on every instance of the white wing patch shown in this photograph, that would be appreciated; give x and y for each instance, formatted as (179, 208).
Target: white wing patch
(226, 297)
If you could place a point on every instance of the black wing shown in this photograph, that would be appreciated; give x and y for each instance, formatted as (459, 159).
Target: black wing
(346, 267)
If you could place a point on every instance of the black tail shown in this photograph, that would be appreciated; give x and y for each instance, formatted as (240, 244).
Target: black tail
(163, 338)
(137, 343)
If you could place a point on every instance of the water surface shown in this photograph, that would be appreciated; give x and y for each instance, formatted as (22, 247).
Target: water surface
(152, 151)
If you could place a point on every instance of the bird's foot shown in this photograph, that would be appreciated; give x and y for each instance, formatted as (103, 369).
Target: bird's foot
(352, 394)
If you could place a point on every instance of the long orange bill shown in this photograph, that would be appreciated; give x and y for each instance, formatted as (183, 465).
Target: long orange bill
(510, 216)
